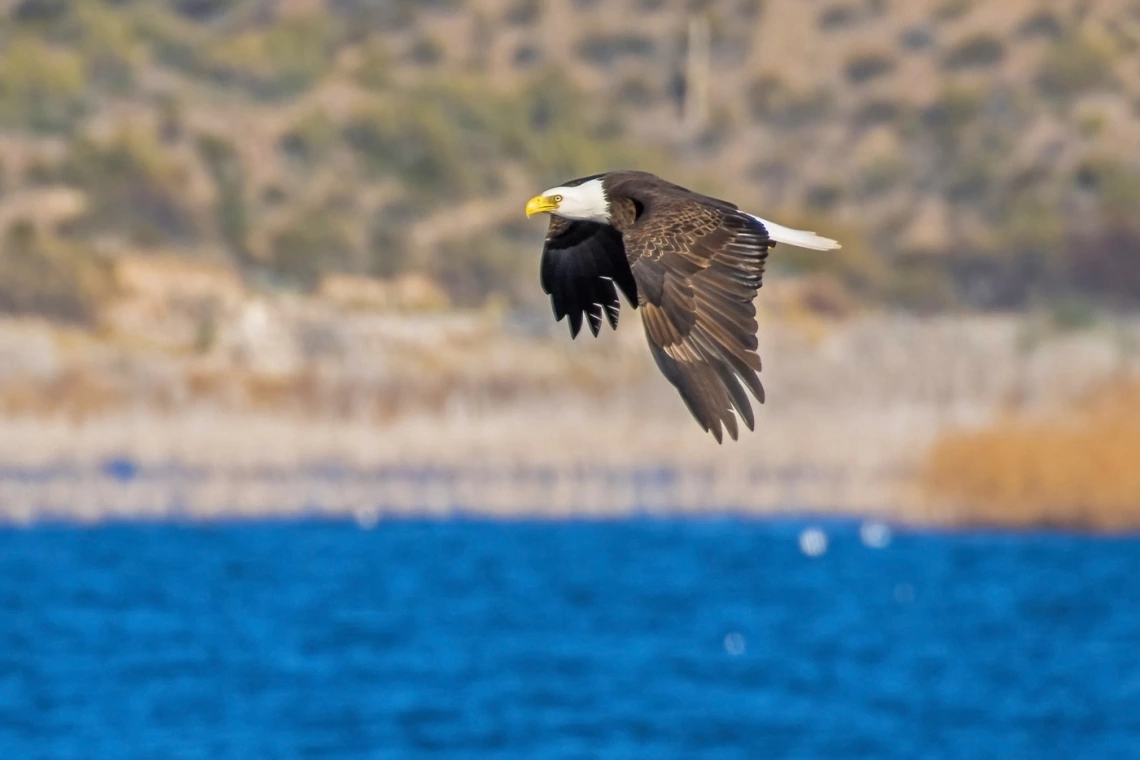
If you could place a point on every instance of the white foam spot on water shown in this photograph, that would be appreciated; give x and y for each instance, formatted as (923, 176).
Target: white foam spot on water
(734, 644)
(367, 518)
(813, 542)
(875, 535)
(904, 593)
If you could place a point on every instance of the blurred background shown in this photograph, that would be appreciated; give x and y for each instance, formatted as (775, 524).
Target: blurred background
(244, 233)
(268, 259)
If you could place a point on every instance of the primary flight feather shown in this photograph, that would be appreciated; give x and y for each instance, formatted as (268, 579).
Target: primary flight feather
(692, 264)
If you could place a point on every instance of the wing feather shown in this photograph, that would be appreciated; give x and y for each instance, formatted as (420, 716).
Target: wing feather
(698, 266)
(583, 266)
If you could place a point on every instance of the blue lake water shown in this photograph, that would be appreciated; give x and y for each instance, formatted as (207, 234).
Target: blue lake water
(614, 639)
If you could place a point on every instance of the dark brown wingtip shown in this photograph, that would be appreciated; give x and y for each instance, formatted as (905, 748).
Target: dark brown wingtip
(594, 320)
(611, 316)
(730, 425)
(575, 318)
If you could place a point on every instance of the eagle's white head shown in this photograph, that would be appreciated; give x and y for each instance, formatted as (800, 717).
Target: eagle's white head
(585, 202)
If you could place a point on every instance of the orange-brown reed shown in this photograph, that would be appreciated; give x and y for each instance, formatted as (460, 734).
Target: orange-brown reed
(1078, 469)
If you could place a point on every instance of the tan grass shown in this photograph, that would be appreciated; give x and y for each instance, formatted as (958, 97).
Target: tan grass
(77, 395)
(1079, 469)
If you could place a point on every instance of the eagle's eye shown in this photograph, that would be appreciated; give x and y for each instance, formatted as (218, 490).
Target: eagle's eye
(558, 199)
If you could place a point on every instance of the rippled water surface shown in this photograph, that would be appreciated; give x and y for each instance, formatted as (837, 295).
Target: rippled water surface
(624, 639)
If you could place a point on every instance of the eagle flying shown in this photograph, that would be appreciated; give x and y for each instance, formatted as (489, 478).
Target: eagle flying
(691, 263)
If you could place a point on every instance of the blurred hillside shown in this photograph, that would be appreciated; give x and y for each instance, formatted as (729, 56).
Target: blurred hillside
(968, 153)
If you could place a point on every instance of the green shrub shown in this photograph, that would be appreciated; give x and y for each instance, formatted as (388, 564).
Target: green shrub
(1029, 221)
(637, 92)
(173, 41)
(955, 109)
(839, 16)
(1118, 192)
(395, 15)
(375, 66)
(977, 51)
(309, 140)
(48, 276)
(316, 242)
(134, 187)
(863, 67)
(1043, 23)
(916, 38)
(1075, 65)
(880, 177)
(40, 11)
(877, 111)
(279, 61)
(770, 100)
(606, 49)
(527, 56)
(204, 10)
(749, 10)
(477, 267)
(969, 182)
(558, 134)
(427, 51)
(225, 168)
(824, 197)
(415, 142)
(952, 10)
(921, 286)
(388, 247)
(524, 12)
(42, 87)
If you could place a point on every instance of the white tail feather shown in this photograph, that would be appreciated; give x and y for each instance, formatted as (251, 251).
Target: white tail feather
(798, 238)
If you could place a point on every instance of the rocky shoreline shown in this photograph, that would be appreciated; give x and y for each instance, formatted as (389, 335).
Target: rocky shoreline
(852, 408)
(116, 489)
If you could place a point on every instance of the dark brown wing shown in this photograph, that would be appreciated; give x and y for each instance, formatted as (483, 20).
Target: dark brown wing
(581, 264)
(697, 268)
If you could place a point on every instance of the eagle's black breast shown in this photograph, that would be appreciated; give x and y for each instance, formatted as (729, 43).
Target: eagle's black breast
(582, 262)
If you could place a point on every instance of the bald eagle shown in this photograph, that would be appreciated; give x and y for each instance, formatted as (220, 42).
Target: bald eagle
(692, 264)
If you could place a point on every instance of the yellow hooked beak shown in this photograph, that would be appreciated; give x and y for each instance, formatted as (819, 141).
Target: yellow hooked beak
(540, 204)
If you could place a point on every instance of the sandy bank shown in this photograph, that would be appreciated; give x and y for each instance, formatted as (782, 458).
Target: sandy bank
(852, 409)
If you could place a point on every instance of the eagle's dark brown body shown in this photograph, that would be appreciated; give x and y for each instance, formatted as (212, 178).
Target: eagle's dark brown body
(692, 264)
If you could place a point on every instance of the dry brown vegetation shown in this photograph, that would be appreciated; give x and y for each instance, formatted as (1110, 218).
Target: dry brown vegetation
(1077, 469)
(985, 152)
(853, 402)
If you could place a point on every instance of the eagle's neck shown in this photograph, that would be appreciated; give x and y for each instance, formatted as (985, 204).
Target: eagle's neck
(625, 197)
(623, 213)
